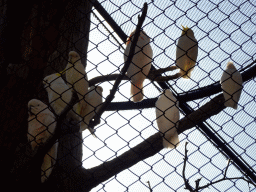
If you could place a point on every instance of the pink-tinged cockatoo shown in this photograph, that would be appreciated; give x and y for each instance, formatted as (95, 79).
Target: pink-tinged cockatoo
(186, 52)
(77, 79)
(231, 84)
(41, 122)
(141, 64)
(94, 99)
(167, 117)
(49, 162)
(59, 94)
(41, 126)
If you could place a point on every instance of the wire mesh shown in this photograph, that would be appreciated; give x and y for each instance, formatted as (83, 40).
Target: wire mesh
(225, 32)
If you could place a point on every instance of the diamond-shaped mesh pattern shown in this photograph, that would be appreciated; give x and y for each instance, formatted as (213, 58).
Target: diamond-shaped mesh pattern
(225, 31)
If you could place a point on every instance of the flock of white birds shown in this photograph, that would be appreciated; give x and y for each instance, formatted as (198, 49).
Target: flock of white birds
(41, 121)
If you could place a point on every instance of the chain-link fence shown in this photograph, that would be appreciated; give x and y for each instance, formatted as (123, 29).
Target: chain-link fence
(216, 151)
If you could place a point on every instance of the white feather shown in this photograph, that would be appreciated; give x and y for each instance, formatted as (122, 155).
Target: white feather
(231, 84)
(59, 94)
(94, 99)
(167, 117)
(41, 122)
(49, 162)
(140, 66)
(41, 126)
(77, 78)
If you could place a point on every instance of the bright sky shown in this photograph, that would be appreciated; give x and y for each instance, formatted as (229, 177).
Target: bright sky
(224, 33)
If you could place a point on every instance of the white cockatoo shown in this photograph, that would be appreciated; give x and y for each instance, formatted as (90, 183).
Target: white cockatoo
(49, 162)
(167, 117)
(186, 52)
(41, 126)
(141, 64)
(231, 84)
(77, 79)
(59, 94)
(94, 99)
(41, 122)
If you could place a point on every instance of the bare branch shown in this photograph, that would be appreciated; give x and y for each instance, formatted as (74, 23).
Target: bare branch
(96, 119)
(213, 107)
(225, 173)
(150, 189)
(154, 75)
(153, 144)
(186, 181)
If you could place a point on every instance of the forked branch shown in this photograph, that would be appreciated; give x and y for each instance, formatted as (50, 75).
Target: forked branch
(96, 119)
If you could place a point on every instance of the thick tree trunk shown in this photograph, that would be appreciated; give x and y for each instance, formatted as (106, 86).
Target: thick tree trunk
(34, 45)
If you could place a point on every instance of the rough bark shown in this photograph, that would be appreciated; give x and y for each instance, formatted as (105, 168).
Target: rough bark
(34, 45)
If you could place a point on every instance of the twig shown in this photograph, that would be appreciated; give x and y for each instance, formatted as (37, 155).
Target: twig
(186, 181)
(197, 184)
(223, 179)
(225, 173)
(150, 189)
(153, 76)
(96, 119)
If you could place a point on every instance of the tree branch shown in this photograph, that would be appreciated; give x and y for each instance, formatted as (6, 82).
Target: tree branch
(186, 181)
(153, 76)
(152, 145)
(96, 119)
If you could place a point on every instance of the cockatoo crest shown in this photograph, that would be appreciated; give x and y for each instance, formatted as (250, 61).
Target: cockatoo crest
(184, 30)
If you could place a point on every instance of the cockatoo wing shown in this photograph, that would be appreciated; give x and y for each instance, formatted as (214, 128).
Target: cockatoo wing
(231, 84)
(59, 94)
(94, 100)
(140, 66)
(77, 78)
(167, 117)
(186, 52)
(41, 123)
(49, 162)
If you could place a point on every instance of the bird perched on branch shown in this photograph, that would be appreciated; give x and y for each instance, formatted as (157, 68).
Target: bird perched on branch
(141, 64)
(231, 84)
(41, 122)
(186, 52)
(94, 99)
(41, 126)
(77, 79)
(59, 94)
(167, 117)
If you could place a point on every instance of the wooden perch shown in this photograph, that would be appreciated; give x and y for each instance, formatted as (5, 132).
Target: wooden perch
(96, 119)
(154, 144)
(154, 75)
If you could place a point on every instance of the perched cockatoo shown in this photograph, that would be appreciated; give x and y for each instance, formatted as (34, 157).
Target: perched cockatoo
(186, 52)
(167, 117)
(41, 126)
(77, 79)
(49, 162)
(141, 64)
(41, 122)
(94, 99)
(59, 94)
(231, 84)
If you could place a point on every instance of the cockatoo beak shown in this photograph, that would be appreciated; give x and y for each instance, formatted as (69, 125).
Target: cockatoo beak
(30, 111)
